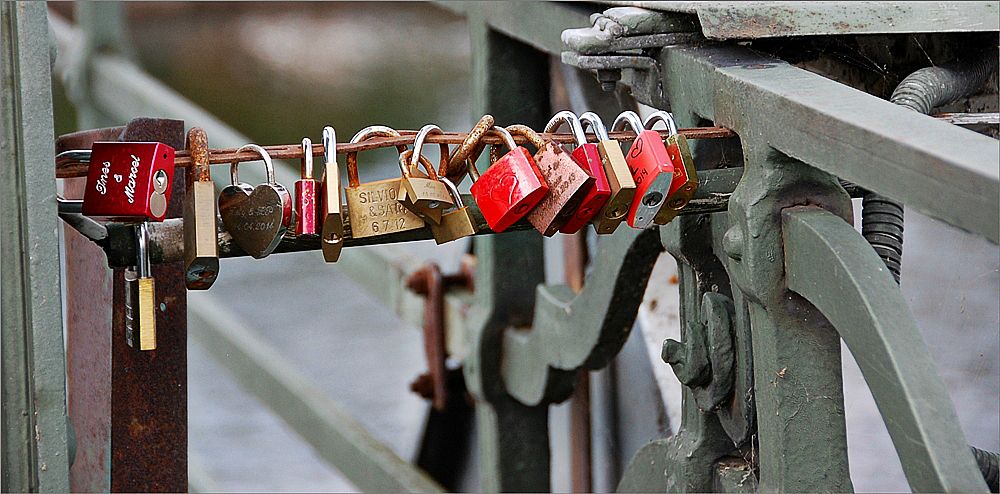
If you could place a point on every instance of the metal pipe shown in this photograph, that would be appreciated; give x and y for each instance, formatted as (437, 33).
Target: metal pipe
(921, 91)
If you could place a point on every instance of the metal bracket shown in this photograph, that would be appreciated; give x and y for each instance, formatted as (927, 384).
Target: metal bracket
(625, 39)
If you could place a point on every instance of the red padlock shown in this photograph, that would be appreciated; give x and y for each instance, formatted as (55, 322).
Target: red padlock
(306, 197)
(510, 187)
(651, 169)
(129, 181)
(588, 157)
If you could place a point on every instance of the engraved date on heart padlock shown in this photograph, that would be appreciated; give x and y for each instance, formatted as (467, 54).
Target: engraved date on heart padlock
(255, 217)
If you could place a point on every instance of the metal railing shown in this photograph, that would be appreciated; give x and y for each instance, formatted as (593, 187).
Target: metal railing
(753, 266)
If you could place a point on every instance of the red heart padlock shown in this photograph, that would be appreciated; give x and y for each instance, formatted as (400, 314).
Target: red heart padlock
(510, 187)
(129, 181)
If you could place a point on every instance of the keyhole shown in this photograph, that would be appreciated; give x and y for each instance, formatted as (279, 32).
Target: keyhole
(652, 199)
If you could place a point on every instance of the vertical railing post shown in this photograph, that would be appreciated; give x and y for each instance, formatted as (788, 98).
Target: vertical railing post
(511, 81)
(35, 443)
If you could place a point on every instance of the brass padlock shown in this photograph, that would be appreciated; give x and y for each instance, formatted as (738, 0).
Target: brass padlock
(619, 177)
(424, 195)
(685, 181)
(201, 241)
(457, 223)
(332, 233)
(372, 207)
(140, 296)
(568, 183)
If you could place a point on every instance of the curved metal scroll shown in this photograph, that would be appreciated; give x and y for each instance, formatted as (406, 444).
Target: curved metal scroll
(570, 331)
(831, 265)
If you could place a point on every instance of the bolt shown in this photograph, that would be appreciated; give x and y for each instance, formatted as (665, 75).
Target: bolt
(609, 79)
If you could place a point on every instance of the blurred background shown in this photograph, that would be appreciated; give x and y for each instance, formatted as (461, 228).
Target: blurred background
(279, 72)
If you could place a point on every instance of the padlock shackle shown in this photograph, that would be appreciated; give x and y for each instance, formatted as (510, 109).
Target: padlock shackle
(453, 190)
(593, 120)
(197, 143)
(630, 118)
(418, 145)
(81, 155)
(367, 133)
(508, 141)
(569, 118)
(306, 165)
(142, 250)
(661, 116)
(470, 146)
(404, 165)
(329, 145)
(523, 130)
(266, 158)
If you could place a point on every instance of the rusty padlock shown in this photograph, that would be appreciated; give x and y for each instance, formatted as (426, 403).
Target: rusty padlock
(588, 157)
(469, 149)
(651, 169)
(127, 181)
(568, 183)
(510, 187)
(685, 181)
(201, 241)
(617, 174)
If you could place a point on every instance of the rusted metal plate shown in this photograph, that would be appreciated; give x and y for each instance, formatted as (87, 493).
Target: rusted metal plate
(88, 355)
(129, 407)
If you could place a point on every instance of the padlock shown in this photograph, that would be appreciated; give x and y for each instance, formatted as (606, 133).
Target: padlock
(510, 187)
(426, 196)
(305, 193)
(651, 169)
(568, 183)
(373, 207)
(332, 235)
(201, 241)
(617, 174)
(255, 217)
(140, 296)
(456, 223)
(589, 158)
(129, 181)
(685, 181)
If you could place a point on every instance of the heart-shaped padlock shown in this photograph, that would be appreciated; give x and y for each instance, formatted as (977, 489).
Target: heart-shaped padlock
(256, 217)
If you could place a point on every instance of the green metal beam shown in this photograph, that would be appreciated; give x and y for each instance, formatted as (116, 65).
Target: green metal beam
(855, 291)
(34, 448)
(332, 432)
(936, 168)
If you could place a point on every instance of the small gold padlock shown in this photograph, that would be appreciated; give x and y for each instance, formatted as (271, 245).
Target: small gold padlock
(685, 181)
(457, 223)
(372, 207)
(619, 177)
(332, 233)
(423, 194)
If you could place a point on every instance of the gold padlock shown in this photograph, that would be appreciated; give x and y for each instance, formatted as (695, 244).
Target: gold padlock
(423, 193)
(619, 177)
(201, 242)
(373, 207)
(332, 233)
(457, 223)
(685, 181)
